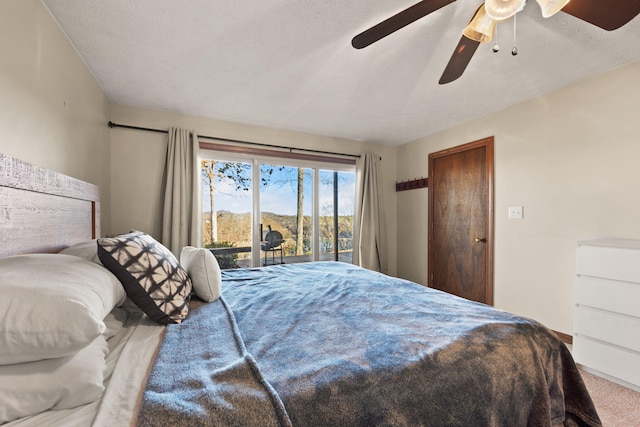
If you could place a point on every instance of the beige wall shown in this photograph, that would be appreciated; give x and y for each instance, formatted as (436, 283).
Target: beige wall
(54, 114)
(52, 111)
(571, 159)
(138, 158)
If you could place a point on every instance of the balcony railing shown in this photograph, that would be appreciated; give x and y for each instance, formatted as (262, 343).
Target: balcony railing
(226, 260)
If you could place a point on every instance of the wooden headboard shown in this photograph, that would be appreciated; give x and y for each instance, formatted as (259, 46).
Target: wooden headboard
(42, 210)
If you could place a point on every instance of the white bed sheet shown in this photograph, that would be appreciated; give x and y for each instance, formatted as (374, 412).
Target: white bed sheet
(132, 345)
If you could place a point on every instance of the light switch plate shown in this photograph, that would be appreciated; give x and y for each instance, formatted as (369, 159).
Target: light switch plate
(515, 212)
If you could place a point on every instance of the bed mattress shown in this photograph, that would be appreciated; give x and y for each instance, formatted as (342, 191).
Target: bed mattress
(334, 344)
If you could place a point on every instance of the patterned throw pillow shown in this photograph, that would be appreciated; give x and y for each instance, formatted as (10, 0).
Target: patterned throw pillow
(150, 273)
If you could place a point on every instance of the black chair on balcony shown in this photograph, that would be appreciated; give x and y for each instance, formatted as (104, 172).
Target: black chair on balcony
(272, 243)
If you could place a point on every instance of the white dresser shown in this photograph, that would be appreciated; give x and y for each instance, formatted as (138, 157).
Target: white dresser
(607, 313)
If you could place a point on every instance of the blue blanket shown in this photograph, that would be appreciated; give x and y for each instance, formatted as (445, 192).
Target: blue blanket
(330, 344)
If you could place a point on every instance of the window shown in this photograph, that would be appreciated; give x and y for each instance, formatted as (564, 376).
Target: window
(227, 188)
(268, 210)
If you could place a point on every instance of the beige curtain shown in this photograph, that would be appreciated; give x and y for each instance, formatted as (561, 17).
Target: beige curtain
(182, 207)
(370, 234)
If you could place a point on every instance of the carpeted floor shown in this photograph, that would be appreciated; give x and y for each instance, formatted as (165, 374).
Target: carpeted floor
(617, 406)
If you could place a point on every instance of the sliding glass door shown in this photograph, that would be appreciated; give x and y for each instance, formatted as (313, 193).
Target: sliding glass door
(263, 211)
(286, 197)
(227, 199)
(337, 191)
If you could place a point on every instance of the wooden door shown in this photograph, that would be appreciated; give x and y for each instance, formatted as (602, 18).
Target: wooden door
(461, 220)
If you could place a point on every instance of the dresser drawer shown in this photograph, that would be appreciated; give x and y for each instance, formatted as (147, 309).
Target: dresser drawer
(619, 363)
(609, 263)
(621, 330)
(621, 297)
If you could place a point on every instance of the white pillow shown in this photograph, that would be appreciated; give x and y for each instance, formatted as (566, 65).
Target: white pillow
(87, 250)
(52, 305)
(204, 271)
(62, 383)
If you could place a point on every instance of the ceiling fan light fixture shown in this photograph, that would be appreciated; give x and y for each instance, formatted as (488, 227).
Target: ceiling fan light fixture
(481, 28)
(500, 10)
(551, 7)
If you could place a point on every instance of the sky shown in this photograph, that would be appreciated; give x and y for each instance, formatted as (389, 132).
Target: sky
(279, 195)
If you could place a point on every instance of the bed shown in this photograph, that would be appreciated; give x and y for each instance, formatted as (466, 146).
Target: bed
(288, 345)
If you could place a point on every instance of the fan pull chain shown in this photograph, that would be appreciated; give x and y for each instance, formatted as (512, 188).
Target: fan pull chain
(514, 51)
(496, 47)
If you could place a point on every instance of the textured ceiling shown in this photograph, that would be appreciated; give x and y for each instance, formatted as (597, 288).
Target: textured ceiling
(289, 64)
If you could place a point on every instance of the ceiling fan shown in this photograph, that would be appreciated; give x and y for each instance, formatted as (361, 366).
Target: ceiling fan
(608, 15)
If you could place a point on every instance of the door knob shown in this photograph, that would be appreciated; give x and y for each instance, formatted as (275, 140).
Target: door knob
(480, 239)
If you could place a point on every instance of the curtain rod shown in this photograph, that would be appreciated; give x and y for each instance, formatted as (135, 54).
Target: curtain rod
(117, 125)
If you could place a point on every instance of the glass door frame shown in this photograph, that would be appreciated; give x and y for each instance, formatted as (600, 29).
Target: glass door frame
(257, 160)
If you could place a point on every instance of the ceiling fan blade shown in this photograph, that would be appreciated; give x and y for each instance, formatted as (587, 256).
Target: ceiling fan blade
(609, 15)
(397, 21)
(459, 60)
